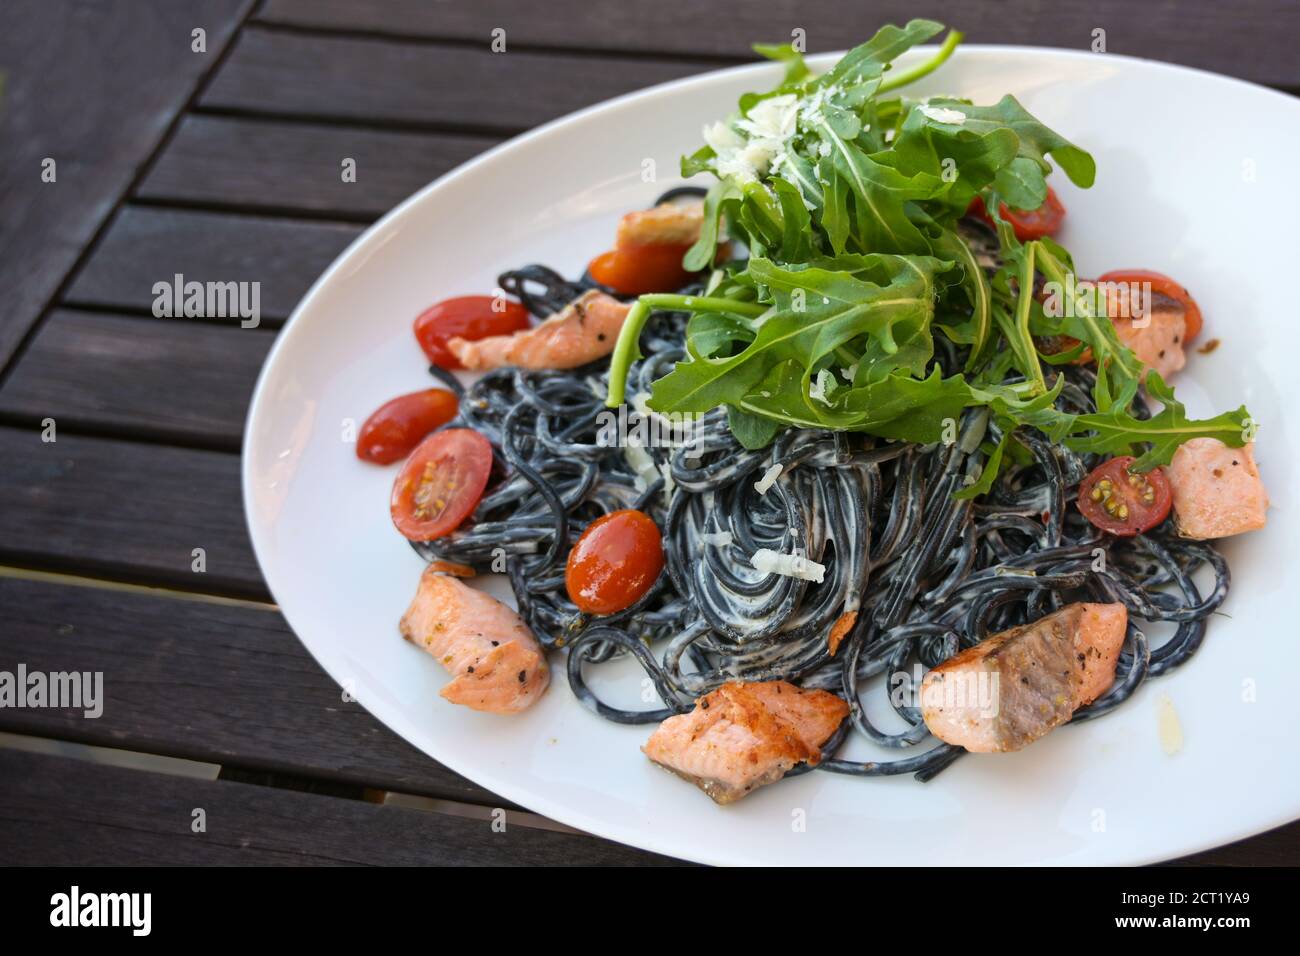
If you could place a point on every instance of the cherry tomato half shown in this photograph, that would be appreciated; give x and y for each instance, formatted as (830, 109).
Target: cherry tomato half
(638, 270)
(468, 317)
(1028, 223)
(397, 426)
(1164, 285)
(1125, 502)
(615, 562)
(441, 483)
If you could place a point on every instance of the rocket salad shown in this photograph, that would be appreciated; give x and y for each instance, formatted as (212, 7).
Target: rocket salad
(848, 198)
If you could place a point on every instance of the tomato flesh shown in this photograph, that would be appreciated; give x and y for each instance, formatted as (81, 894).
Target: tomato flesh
(1124, 502)
(398, 425)
(615, 562)
(642, 269)
(441, 483)
(469, 317)
(1028, 224)
(1165, 286)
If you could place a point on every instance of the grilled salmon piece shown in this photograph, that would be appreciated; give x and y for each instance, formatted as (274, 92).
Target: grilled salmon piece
(1012, 688)
(1217, 489)
(669, 223)
(496, 664)
(744, 736)
(583, 331)
(1157, 339)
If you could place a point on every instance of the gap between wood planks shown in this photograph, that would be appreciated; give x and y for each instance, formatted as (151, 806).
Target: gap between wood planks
(717, 60)
(83, 256)
(335, 216)
(212, 773)
(111, 584)
(139, 435)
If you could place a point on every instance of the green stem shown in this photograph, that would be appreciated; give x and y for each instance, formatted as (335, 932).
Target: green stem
(1029, 354)
(1106, 347)
(671, 302)
(902, 79)
(627, 349)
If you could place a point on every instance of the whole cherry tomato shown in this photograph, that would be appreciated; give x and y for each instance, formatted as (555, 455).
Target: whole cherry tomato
(615, 562)
(400, 424)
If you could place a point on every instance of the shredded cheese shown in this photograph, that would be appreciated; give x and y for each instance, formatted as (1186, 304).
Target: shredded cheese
(719, 539)
(789, 565)
(641, 462)
(817, 389)
(764, 484)
(941, 114)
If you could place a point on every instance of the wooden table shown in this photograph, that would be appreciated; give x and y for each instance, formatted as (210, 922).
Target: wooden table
(223, 163)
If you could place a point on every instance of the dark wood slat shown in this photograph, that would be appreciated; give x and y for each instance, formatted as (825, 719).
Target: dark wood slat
(168, 379)
(1243, 39)
(93, 87)
(144, 245)
(204, 681)
(296, 167)
(125, 510)
(366, 80)
(57, 811)
(1280, 847)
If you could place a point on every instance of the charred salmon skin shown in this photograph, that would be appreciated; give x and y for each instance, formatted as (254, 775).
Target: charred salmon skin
(1012, 688)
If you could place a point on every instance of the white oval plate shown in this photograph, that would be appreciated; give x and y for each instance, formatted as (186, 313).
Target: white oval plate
(1194, 178)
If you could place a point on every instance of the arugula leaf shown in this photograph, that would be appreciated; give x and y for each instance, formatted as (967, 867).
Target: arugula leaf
(896, 406)
(752, 431)
(720, 195)
(1036, 140)
(1114, 431)
(992, 465)
(974, 329)
(848, 202)
(818, 310)
(868, 60)
(796, 70)
(973, 158)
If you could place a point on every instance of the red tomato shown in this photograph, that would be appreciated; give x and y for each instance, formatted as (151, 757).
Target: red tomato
(398, 425)
(1125, 502)
(615, 562)
(638, 270)
(1165, 286)
(1028, 223)
(467, 317)
(441, 483)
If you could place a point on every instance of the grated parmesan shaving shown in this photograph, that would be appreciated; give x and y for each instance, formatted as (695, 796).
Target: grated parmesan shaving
(719, 539)
(769, 479)
(817, 389)
(790, 565)
(640, 461)
(941, 114)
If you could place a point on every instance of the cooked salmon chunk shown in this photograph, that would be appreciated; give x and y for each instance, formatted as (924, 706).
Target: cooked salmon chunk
(743, 736)
(495, 662)
(1012, 688)
(1217, 489)
(1156, 339)
(583, 331)
(676, 223)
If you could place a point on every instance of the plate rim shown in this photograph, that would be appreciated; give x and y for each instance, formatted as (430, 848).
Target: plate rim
(534, 800)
